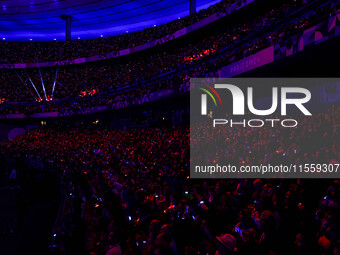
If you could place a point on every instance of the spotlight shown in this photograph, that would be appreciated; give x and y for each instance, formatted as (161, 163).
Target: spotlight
(127, 31)
(4, 38)
(78, 38)
(101, 35)
(31, 39)
(54, 39)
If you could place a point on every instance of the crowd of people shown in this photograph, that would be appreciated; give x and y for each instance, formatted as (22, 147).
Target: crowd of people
(156, 71)
(129, 191)
(32, 52)
(314, 140)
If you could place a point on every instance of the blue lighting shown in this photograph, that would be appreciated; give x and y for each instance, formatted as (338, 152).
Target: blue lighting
(42, 22)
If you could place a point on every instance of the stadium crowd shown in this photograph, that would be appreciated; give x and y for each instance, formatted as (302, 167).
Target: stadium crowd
(32, 52)
(130, 192)
(160, 70)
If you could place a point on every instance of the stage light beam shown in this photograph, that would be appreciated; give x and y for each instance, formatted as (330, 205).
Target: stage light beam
(34, 86)
(55, 80)
(42, 83)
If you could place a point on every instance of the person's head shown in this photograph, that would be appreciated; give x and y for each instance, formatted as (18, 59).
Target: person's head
(324, 243)
(166, 228)
(155, 226)
(164, 239)
(299, 241)
(336, 249)
(227, 244)
(257, 185)
(267, 223)
(331, 191)
(114, 251)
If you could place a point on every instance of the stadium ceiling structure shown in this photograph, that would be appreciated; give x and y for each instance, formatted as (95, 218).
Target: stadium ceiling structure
(39, 20)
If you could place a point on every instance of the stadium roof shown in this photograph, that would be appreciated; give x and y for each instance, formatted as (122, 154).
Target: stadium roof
(40, 19)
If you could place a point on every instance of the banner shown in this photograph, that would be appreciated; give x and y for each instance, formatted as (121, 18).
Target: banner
(260, 58)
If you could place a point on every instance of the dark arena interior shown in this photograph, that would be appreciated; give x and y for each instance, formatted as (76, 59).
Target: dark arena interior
(95, 134)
